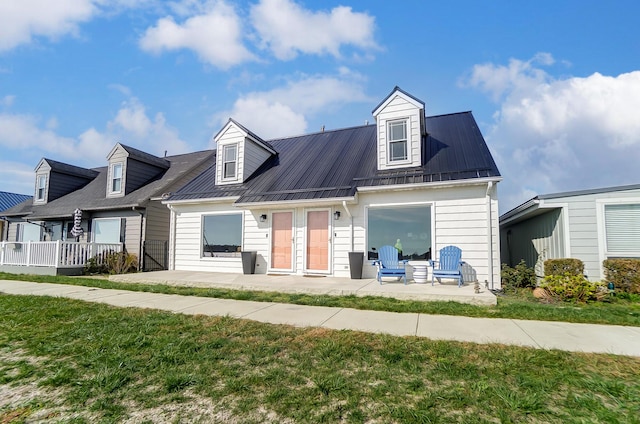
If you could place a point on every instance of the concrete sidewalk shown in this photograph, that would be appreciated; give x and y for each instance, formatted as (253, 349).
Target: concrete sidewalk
(592, 338)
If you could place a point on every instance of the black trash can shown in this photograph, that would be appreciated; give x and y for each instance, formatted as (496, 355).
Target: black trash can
(356, 260)
(249, 262)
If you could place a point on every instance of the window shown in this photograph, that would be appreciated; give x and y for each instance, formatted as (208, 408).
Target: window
(408, 228)
(622, 228)
(397, 135)
(28, 232)
(108, 230)
(221, 235)
(116, 178)
(42, 187)
(229, 161)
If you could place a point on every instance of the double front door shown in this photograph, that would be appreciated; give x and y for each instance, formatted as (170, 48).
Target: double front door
(317, 243)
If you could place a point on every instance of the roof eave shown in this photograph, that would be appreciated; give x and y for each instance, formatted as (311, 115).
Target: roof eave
(437, 184)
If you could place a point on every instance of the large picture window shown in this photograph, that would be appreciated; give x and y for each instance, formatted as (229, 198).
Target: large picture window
(622, 227)
(408, 228)
(222, 235)
(108, 230)
(28, 232)
(397, 131)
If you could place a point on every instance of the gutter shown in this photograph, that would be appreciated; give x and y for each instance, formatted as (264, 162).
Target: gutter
(346, 209)
(490, 233)
(140, 243)
(438, 184)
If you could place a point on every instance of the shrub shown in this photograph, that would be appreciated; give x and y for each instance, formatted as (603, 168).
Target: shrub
(563, 266)
(517, 278)
(573, 288)
(112, 263)
(624, 274)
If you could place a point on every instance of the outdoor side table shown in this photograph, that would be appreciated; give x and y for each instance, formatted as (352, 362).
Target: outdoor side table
(420, 273)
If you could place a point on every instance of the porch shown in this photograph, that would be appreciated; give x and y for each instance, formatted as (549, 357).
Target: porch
(336, 286)
(52, 257)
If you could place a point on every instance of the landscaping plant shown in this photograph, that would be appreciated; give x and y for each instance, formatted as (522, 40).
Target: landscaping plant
(516, 278)
(573, 288)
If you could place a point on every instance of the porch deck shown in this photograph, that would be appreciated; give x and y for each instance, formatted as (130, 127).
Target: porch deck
(315, 285)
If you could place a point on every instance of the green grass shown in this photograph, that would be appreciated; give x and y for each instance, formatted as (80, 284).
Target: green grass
(616, 312)
(96, 363)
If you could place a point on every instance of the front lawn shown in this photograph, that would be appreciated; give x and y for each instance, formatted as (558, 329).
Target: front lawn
(616, 312)
(63, 360)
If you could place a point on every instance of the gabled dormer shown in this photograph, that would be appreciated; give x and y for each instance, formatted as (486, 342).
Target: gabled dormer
(55, 179)
(130, 168)
(400, 129)
(239, 153)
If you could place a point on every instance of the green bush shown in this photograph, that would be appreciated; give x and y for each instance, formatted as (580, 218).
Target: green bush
(563, 266)
(112, 263)
(573, 288)
(517, 278)
(624, 274)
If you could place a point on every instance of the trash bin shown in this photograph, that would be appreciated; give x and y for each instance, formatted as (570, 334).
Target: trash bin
(355, 264)
(249, 262)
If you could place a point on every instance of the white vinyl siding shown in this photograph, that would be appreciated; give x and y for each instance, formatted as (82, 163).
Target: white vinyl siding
(249, 155)
(622, 229)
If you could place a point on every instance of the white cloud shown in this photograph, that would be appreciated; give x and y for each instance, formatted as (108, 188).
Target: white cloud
(7, 101)
(284, 111)
(22, 20)
(287, 29)
(561, 134)
(17, 177)
(131, 126)
(215, 35)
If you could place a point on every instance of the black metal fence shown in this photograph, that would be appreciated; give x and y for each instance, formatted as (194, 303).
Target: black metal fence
(155, 256)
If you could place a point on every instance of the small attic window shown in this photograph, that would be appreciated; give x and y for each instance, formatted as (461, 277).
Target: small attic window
(41, 188)
(229, 161)
(397, 139)
(116, 178)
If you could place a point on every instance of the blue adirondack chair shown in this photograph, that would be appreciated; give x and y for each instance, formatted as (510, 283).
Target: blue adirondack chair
(449, 265)
(389, 265)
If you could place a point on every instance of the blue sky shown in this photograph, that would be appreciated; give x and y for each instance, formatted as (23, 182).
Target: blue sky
(554, 85)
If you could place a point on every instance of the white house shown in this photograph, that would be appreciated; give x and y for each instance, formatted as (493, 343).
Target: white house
(303, 203)
(590, 225)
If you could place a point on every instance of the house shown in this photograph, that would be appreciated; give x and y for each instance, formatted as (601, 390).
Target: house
(304, 203)
(117, 203)
(8, 200)
(590, 225)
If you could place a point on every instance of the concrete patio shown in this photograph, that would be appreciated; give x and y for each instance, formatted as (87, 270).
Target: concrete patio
(316, 285)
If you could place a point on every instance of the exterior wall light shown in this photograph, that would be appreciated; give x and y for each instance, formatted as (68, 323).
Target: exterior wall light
(263, 218)
(336, 215)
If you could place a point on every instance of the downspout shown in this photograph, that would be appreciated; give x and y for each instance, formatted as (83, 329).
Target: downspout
(346, 209)
(490, 233)
(172, 238)
(140, 243)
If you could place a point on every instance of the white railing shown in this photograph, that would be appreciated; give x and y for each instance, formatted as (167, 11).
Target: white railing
(59, 254)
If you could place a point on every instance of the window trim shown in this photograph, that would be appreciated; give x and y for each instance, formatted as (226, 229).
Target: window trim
(407, 158)
(224, 255)
(42, 178)
(601, 226)
(225, 161)
(112, 177)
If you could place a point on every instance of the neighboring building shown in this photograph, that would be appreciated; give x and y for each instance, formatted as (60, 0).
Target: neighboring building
(120, 202)
(8, 200)
(590, 225)
(303, 203)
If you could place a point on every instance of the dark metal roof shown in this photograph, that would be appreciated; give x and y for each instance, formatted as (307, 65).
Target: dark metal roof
(8, 200)
(92, 197)
(333, 164)
(65, 168)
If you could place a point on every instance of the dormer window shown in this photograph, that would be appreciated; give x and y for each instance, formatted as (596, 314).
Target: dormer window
(116, 178)
(397, 136)
(41, 188)
(230, 161)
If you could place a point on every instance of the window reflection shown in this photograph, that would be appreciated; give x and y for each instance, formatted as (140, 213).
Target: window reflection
(408, 228)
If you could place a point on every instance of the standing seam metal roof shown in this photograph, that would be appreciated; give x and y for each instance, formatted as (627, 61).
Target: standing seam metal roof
(333, 164)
